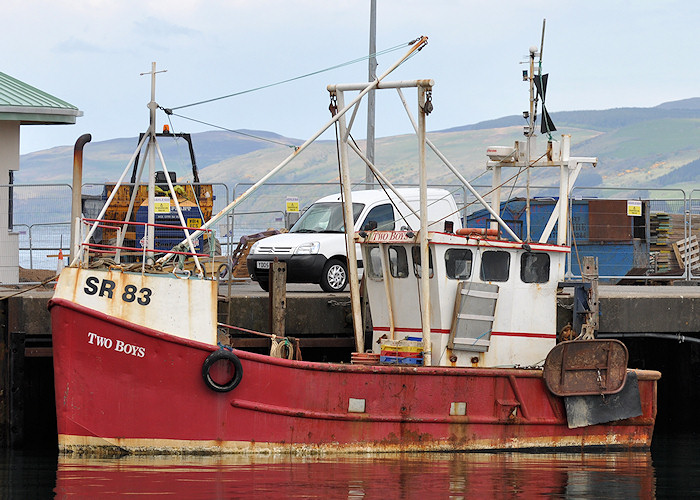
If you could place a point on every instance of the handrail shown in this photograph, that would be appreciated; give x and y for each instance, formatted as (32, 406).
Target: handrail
(107, 223)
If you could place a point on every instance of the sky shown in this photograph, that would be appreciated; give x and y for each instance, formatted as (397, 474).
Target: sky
(600, 54)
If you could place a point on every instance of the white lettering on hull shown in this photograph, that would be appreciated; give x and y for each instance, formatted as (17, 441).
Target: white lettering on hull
(119, 346)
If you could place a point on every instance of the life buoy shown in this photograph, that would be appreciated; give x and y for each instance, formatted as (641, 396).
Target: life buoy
(222, 354)
(476, 231)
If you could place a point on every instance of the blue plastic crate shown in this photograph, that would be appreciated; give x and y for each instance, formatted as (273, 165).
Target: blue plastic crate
(399, 360)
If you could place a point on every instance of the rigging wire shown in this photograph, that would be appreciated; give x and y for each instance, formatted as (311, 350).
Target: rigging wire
(170, 113)
(354, 61)
(514, 176)
(381, 184)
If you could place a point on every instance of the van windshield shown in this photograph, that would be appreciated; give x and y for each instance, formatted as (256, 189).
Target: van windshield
(326, 217)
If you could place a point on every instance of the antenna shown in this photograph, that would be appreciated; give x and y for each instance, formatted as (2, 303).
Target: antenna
(539, 69)
(540, 81)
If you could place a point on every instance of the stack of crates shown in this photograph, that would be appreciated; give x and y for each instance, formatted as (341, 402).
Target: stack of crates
(165, 238)
(408, 351)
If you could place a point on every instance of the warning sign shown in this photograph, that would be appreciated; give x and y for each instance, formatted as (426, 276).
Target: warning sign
(292, 204)
(161, 205)
(634, 208)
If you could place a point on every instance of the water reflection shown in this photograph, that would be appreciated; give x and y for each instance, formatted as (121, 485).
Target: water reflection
(420, 476)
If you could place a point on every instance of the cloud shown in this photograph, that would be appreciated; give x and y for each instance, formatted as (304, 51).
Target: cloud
(76, 46)
(153, 26)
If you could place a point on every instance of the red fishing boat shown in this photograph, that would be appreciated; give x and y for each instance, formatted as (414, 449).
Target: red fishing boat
(458, 357)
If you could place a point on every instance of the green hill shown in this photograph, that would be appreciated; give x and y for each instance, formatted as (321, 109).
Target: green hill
(639, 147)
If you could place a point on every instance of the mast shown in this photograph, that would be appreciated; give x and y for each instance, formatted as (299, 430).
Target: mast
(346, 187)
(533, 118)
(423, 110)
(151, 153)
(369, 178)
(152, 106)
(530, 139)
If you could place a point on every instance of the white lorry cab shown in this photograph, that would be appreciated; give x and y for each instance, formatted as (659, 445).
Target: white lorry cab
(314, 248)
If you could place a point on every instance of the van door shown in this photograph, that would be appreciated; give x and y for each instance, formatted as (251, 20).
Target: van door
(380, 217)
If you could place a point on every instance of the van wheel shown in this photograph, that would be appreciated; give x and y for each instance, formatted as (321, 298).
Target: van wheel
(335, 276)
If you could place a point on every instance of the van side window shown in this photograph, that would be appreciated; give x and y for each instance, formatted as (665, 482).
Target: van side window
(495, 266)
(398, 262)
(380, 217)
(415, 251)
(374, 266)
(534, 267)
(458, 263)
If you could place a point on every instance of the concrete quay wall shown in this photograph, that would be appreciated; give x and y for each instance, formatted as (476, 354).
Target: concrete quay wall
(625, 309)
(650, 309)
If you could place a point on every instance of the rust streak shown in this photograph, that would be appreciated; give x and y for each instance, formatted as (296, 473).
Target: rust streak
(518, 396)
(407, 418)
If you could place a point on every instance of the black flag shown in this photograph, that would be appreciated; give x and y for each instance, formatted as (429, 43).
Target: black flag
(541, 85)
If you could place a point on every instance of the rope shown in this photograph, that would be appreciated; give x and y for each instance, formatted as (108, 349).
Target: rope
(381, 184)
(170, 113)
(297, 347)
(135, 267)
(360, 59)
(281, 348)
(20, 292)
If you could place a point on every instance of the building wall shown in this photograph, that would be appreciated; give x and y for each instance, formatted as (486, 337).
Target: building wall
(9, 241)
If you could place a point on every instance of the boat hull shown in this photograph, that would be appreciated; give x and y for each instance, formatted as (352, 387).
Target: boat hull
(151, 398)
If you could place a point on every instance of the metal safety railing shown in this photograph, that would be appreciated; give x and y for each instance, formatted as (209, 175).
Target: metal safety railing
(660, 243)
(635, 233)
(318, 190)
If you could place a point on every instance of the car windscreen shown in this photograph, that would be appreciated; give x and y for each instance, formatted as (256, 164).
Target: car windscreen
(325, 217)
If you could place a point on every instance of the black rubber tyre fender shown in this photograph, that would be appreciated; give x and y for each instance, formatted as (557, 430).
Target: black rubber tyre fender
(223, 273)
(222, 354)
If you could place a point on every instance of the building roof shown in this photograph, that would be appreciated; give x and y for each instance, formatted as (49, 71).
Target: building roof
(28, 105)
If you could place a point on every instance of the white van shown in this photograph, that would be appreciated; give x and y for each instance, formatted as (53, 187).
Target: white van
(314, 248)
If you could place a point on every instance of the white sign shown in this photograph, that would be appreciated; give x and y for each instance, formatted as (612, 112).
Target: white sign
(634, 208)
(161, 205)
(292, 204)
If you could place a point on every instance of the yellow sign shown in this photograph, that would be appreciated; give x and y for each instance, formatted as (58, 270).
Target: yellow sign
(634, 208)
(195, 223)
(292, 204)
(161, 205)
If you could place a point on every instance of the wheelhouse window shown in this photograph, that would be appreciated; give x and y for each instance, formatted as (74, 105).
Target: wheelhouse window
(380, 217)
(398, 262)
(495, 265)
(415, 251)
(534, 267)
(374, 264)
(458, 263)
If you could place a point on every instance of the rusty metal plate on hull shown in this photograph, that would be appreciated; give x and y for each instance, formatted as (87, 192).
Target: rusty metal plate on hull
(582, 411)
(586, 367)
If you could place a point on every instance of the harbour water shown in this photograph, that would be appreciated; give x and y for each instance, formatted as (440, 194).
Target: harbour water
(669, 470)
